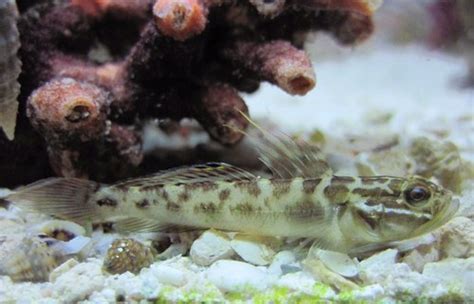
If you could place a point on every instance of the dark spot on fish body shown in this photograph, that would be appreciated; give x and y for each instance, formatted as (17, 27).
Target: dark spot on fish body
(143, 204)
(242, 209)
(224, 195)
(336, 194)
(207, 208)
(106, 201)
(253, 188)
(164, 194)
(371, 180)
(280, 188)
(342, 180)
(304, 210)
(184, 196)
(208, 186)
(309, 185)
(266, 202)
(171, 206)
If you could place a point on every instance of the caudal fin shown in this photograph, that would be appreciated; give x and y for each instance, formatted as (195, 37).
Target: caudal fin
(65, 198)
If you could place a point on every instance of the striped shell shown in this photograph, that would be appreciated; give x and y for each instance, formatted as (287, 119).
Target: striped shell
(25, 258)
(59, 230)
(127, 255)
(10, 66)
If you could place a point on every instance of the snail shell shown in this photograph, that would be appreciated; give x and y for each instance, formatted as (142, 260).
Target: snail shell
(127, 255)
(59, 230)
(10, 66)
(26, 258)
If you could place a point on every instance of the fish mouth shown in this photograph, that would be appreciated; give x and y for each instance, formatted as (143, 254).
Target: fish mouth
(445, 214)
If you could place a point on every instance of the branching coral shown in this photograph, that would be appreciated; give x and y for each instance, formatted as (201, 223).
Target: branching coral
(164, 59)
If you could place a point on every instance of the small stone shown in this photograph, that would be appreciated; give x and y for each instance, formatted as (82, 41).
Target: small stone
(210, 247)
(421, 255)
(236, 276)
(456, 239)
(375, 268)
(298, 281)
(393, 162)
(253, 250)
(369, 294)
(454, 273)
(11, 227)
(61, 269)
(26, 258)
(80, 282)
(439, 159)
(169, 275)
(281, 259)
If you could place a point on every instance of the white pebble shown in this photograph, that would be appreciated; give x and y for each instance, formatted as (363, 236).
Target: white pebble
(234, 276)
(456, 273)
(79, 282)
(377, 267)
(298, 281)
(457, 238)
(169, 275)
(369, 293)
(210, 247)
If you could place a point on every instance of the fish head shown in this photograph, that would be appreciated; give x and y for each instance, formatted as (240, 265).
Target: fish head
(395, 209)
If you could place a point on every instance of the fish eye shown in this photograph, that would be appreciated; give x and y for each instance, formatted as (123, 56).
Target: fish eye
(416, 194)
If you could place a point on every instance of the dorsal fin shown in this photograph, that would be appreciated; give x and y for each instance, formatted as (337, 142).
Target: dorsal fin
(208, 172)
(287, 158)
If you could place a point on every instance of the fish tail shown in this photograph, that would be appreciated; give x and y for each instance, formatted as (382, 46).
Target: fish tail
(66, 198)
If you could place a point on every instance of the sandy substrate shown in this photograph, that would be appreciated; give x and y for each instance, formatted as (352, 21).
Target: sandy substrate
(407, 92)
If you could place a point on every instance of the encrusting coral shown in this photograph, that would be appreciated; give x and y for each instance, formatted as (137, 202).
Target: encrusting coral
(163, 59)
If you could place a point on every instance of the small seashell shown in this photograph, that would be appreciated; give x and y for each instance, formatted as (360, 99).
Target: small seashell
(61, 269)
(210, 247)
(325, 275)
(25, 258)
(338, 262)
(59, 230)
(127, 255)
(254, 250)
(281, 263)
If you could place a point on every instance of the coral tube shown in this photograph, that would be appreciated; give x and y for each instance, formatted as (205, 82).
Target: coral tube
(180, 19)
(65, 110)
(278, 62)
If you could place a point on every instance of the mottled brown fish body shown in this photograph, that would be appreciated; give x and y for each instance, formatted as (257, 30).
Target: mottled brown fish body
(266, 207)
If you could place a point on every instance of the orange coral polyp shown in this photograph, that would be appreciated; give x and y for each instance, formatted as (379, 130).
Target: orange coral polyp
(180, 19)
